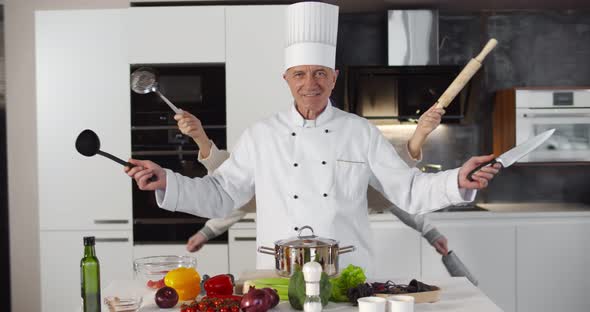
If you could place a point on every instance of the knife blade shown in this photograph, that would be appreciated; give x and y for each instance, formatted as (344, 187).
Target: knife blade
(513, 155)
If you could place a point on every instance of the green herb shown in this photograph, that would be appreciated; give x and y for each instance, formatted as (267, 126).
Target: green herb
(350, 277)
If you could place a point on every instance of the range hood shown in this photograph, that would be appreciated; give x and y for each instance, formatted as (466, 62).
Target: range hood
(412, 37)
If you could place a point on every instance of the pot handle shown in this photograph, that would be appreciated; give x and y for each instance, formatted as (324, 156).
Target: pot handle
(266, 250)
(346, 249)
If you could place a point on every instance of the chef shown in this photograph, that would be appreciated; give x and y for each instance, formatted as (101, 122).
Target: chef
(311, 164)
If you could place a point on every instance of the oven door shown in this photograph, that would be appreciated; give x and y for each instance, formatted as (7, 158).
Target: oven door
(153, 225)
(571, 140)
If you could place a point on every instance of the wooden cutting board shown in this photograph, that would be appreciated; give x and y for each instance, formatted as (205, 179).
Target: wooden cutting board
(420, 297)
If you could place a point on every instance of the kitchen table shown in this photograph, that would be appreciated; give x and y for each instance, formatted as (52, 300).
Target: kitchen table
(458, 294)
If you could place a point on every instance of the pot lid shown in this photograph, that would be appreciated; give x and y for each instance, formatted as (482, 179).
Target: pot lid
(306, 240)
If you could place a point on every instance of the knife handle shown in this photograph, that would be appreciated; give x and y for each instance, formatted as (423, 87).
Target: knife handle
(470, 175)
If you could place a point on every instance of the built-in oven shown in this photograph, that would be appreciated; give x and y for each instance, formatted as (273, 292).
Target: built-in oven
(200, 90)
(566, 110)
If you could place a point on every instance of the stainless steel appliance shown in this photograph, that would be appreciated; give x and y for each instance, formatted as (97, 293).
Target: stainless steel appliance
(412, 37)
(200, 90)
(522, 113)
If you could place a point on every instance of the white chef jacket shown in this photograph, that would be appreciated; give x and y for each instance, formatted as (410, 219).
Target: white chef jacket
(316, 173)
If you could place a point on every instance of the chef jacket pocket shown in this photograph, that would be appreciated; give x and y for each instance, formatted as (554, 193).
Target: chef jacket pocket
(350, 178)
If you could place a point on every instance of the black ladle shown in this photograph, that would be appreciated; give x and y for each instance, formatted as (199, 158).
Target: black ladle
(88, 144)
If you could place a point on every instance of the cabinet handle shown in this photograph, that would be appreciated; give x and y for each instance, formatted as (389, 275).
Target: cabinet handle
(563, 115)
(112, 240)
(245, 239)
(111, 221)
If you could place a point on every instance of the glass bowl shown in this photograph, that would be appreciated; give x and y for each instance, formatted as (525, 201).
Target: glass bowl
(151, 270)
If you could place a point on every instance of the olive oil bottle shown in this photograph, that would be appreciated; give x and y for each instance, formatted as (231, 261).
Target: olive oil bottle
(90, 277)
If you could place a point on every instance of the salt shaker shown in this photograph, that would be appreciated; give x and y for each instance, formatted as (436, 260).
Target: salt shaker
(312, 273)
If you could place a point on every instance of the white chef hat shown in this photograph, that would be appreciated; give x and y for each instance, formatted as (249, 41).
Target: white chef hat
(312, 29)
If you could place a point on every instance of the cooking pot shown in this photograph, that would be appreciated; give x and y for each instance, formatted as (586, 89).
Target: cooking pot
(292, 253)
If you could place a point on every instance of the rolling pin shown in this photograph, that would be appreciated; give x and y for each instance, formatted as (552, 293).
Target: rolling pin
(465, 75)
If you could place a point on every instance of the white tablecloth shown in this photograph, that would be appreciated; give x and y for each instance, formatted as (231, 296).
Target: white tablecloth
(458, 294)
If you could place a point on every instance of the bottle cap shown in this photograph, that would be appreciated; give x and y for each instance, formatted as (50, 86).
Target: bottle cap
(88, 240)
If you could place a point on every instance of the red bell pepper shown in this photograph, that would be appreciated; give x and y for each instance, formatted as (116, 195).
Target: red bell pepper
(219, 285)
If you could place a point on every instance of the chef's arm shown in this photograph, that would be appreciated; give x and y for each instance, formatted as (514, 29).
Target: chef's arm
(215, 159)
(190, 125)
(426, 124)
(411, 189)
(419, 223)
(414, 150)
(217, 226)
(215, 195)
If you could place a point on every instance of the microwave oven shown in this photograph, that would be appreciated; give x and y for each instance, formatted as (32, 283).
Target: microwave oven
(522, 113)
(395, 94)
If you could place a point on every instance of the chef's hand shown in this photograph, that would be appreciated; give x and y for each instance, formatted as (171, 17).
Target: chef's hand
(145, 169)
(429, 121)
(482, 177)
(191, 126)
(441, 246)
(426, 124)
(196, 242)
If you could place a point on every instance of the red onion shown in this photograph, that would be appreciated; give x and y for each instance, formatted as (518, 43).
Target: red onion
(273, 295)
(256, 300)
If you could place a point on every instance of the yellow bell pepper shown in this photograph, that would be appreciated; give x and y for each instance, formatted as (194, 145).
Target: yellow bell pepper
(186, 282)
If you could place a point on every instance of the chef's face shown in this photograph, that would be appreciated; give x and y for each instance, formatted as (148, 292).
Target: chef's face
(311, 86)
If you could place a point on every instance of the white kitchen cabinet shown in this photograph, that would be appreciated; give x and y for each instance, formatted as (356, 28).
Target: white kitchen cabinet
(488, 249)
(82, 83)
(552, 266)
(179, 34)
(396, 250)
(255, 40)
(61, 252)
(211, 259)
(242, 250)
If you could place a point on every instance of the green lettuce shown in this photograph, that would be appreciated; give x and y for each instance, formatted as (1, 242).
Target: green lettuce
(350, 277)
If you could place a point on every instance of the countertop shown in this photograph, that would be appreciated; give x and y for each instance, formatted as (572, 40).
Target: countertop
(530, 211)
(458, 294)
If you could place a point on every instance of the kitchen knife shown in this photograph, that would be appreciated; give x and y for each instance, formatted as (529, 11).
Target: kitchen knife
(513, 155)
(465, 75)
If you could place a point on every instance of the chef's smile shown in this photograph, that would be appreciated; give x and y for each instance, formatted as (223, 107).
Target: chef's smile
(311, 87)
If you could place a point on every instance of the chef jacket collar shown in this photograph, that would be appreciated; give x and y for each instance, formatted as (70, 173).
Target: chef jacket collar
(322, 119)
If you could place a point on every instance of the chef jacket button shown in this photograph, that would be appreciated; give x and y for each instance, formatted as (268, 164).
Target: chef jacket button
(295, 196)
(295, 165)
(323, 162)
(326, 130)
(293, 134)
(325, 195)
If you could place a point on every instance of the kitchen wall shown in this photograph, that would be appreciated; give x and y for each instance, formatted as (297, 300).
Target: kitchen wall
(4, 250)
(21, 143)
(536, 48)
